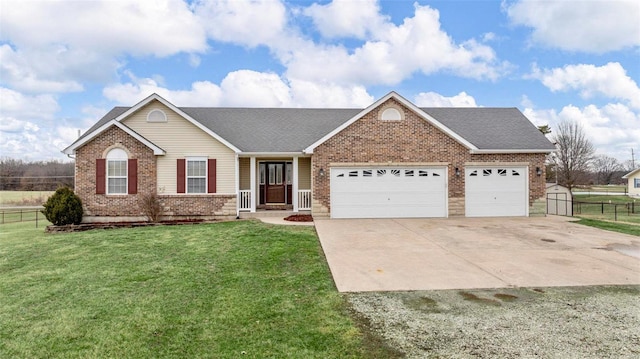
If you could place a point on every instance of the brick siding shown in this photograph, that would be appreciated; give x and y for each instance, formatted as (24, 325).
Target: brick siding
(410, 140)
(102, 205)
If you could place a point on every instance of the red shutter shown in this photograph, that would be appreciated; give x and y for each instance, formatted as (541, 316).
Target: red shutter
(101, 180)
(211, 176)
(133, 176)
(182, 176)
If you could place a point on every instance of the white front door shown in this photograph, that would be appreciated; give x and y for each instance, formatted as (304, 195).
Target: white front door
(496, 191)
(388, 192)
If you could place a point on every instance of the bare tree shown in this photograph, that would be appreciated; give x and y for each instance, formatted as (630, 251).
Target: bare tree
(574, 155)
(605, 167)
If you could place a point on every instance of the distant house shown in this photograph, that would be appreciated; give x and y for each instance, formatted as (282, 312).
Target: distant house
(391, 159)
(633, 182)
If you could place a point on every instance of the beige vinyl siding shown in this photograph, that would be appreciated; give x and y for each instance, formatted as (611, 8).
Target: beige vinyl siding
(245, 173)
(304, 173)
(181, 139)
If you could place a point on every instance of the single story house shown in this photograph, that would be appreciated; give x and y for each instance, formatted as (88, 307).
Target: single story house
(391, 159)
(633, 184)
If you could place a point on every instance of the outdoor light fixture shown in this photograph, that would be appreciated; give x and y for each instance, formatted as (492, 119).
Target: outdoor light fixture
(321, 172)
(538, 171)
(457, 172)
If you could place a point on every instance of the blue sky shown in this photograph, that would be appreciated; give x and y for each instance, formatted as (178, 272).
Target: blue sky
(64, 64)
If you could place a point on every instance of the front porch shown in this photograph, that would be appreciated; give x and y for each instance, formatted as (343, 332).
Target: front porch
(274, 183)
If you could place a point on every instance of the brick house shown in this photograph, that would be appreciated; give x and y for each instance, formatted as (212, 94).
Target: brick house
(391, 159)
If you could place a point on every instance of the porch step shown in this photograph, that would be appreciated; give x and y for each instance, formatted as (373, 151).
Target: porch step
(270, 213)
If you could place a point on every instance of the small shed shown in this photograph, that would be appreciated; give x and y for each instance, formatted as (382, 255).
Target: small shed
(559, 200)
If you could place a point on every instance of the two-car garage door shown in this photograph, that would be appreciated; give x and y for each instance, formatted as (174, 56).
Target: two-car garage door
(388, 192)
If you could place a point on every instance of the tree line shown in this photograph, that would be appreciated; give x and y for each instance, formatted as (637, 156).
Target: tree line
(575, 162)
(19, 175)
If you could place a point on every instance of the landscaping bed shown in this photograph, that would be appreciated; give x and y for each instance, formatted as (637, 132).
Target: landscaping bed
(299, 218)
(112, 225)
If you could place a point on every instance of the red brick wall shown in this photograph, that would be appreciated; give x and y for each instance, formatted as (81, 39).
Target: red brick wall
(410, 140)
(102, 205)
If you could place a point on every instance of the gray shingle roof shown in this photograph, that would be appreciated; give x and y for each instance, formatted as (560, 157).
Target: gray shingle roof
(293, 129)
(492, 128)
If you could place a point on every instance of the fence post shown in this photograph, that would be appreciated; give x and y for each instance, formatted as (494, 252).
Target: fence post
(36, 218)
(20, 215)
(601, 207)
(615, 211)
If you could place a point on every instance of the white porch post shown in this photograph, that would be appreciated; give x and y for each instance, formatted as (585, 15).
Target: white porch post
(294, 190)
(254, 179)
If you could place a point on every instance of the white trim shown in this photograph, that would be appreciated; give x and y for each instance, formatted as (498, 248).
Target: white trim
(630, 174)
(294, 185)
(159, 98)
(502, 151)
(254, 179)
(404, 102)
(272, 154)
(206, 173)
(72, 149)
(139, 105)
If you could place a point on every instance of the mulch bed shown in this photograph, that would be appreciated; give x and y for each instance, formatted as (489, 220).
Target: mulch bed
(299, 218)
(111, 225)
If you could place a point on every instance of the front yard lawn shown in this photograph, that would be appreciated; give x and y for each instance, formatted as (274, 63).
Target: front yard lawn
(224, 290)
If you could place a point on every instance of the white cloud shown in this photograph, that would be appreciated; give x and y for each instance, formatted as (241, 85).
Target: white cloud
(244, 88)
(347, 18)
(86, 39)
(393, 53)
(613, 128)
(432, 99)
(161, 28)
(247, 22)
(32, 108)
(590, 26)
(610, 80)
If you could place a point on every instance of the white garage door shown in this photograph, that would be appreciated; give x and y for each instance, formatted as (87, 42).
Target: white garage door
(388, 192)
(496, 191)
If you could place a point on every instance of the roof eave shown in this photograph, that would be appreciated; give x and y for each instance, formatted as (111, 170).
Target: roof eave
(504, 151)
(71, 150)
(630, 174)
(177, 110)
(406, 103)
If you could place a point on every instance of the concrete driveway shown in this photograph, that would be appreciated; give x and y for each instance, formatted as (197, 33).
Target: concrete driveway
(465, 253)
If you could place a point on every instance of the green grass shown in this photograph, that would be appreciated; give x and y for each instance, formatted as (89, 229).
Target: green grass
(24, 198)
(631, 229)
(614, 188)
(223, 290)
(595, 210)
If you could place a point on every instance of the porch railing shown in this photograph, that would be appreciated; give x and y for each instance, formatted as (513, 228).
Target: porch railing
(244, 200)
(304, 199)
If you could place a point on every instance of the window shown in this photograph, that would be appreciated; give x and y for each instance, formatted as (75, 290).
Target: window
(391, 114)
(487, 172)
(263, 174)
(117, 171)
(408, 173)
(423, 173)
(367, 173)
(275, 173)
(636, 183)
(289, 175)
(196, 175)
(502, 172)
(156, 116)
(353, 173)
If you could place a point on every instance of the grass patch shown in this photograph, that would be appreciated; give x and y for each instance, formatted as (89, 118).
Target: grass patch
(607, 208)
(631, 229)
(224, 290)
(24, 198)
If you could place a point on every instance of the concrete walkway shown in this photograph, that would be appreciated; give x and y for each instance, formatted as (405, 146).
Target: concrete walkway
(465, 253)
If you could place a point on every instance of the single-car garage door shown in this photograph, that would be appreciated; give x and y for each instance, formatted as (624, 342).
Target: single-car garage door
(496, 191)
(390, 192)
